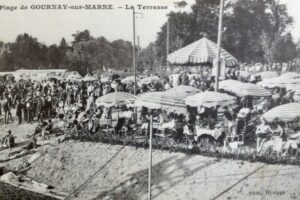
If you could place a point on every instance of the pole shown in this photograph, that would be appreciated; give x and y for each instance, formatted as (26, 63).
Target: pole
(220, 30)
(150, 157)
(168, 41)
(133, 50)
(138, 51)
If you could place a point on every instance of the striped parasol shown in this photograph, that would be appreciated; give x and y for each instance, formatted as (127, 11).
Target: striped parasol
(295, 88)
(161, 100)
(182, 91)
(89, 77)
(281, 81)
(129, 79)
(267, 75)
(244, 89)
(201, 51)
(115, 99)
(244, 74)
(291, 75)
(148, 80)
(209, 99)
(286, 112)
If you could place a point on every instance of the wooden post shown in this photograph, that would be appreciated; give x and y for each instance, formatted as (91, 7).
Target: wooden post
(220, 30)
(168, 42)
(133, 50)
(150, 157)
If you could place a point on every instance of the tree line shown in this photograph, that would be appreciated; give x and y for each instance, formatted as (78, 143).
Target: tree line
(84, 53)
(254, 31)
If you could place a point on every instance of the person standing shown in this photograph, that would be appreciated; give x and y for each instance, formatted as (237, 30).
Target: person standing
(19, 111)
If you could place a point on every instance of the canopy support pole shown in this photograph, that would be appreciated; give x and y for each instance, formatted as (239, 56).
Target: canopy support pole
(150, 157)
(220, 30)
(133, 50)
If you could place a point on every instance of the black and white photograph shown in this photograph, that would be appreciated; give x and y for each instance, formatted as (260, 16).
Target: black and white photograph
(150, 100)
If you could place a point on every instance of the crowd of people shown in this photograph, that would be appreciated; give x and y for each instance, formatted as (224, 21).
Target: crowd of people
(70, 107)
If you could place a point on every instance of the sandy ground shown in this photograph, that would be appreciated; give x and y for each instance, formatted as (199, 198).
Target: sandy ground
(175, 175)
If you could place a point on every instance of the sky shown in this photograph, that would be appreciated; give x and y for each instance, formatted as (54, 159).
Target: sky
(49, 26)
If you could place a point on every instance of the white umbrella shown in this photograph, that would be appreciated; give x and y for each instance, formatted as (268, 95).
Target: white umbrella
(201, 51)
(115, 99)
(74, 77)
(209, 99)
(281, 81)
(89, 77)
(129, 79)
(286, 112)
(148, 80)
(244, 89)
(291, 75)
(244, 74)
(161, 100)
(182, 91)
(267, 75)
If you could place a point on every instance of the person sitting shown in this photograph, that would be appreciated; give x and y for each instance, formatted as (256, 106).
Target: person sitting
(262, 132)
(10, 140)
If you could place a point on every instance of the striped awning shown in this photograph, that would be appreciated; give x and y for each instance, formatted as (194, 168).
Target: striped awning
(291, 75)
(244, 74)
(89, 77)
(201, 51)
(244, 89)
(209, 99)
(161, 100)
(281, 81)
(115, 99)
(182, 91)
(267, 75)
(286, 112)
(148, 80)
(129, 79)
(295, 88)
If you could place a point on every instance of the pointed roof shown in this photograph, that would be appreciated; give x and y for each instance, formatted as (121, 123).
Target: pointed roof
(201, 51)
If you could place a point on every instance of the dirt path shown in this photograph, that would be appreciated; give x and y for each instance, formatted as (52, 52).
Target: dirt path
(175, 175)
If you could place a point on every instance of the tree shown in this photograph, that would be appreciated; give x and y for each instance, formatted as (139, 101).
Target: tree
(148, 58)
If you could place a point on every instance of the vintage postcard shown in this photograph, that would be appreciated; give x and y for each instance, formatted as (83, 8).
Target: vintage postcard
(150, 99)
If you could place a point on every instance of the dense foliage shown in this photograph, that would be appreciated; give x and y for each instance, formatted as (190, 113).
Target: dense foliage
(254, 31)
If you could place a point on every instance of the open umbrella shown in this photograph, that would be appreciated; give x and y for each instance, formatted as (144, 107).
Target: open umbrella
(182, 91)
(281, 81)
(286, 112)
(244, 89)
(74, 77)
(291, 75)
(161, 100)
(267, 75)
(244, 74)
(89, 77)
(115, 99)
(209, 99)
(129, 79)
(201, 51)
(148, 80)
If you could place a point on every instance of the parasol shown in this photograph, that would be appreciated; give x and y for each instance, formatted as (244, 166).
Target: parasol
(182, 91)
(129, 79)
(115, 99)
(89, 77)
(286, 112)
(267, 75)
(161, 100)
(201, 51)
(209, 99)
(148, 80)
(244, 89)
